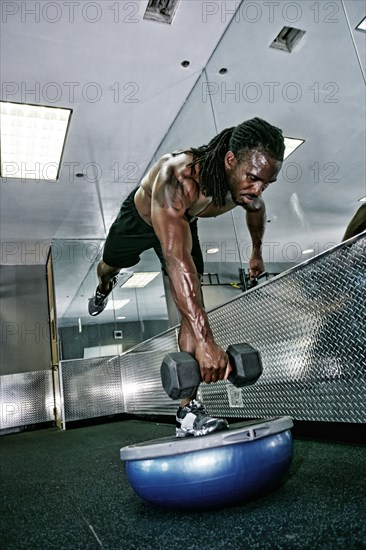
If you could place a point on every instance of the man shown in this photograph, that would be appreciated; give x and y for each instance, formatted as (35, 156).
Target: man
(232, 170)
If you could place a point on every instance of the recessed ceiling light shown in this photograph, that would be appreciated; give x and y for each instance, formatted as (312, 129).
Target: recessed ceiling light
(185, 63)
(32, 140)
(223, 70)
(291, 144)
(140, 280)
(122, 317)
(117, 304)
(307, 251)
(362, 25)
(362, 199)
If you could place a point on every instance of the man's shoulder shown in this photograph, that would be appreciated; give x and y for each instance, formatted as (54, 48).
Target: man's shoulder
(176, 159)
(178, 168)
(172, 176)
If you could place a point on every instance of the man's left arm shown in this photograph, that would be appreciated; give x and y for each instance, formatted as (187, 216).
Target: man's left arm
(256, 222)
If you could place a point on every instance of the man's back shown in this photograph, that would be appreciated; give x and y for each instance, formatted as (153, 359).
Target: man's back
(170, 179)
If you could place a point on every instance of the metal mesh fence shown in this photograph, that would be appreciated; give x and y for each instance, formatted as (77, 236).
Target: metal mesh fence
(309, 324)
(26, 398)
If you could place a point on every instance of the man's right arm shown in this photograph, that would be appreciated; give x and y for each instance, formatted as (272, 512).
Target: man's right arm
(170, 200)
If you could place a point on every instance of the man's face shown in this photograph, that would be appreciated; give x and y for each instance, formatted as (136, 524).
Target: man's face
(248, 178)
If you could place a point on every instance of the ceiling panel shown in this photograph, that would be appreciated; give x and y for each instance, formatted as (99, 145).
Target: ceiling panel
(133, 101)
(123, 78)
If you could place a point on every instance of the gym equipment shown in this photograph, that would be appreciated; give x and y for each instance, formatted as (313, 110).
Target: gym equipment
(211, 471)
(247, 283)
(180, 372)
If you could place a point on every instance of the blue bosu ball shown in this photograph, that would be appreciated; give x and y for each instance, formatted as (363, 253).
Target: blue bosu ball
(217, 470)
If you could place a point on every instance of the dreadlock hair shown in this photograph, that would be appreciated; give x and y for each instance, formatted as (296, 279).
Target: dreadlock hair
(251, 134)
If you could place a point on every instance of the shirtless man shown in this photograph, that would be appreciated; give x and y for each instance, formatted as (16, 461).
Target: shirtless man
(232, 170)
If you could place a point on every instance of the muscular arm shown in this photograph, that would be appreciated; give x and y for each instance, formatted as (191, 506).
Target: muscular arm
(169, 203)
(256, 220)
(170, 200)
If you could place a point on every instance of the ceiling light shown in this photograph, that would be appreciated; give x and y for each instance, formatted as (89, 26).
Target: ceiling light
(32, 140)
(213, 250)
(120, 318)
(139, 280)
(161, 10)
(287, 39)
(307, 251)
(291, 144)
(116, 304)
(362, 25)
(362, 199)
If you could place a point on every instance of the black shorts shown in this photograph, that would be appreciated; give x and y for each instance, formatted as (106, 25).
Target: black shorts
(130, 235)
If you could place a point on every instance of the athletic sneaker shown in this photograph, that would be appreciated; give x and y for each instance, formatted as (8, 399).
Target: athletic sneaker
(193, 420)
(98, 302)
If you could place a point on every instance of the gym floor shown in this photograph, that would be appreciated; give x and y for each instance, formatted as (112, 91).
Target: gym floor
(68, 490)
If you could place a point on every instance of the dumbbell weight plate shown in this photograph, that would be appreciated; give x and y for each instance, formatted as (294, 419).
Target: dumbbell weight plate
(186, 376)
(248, 364)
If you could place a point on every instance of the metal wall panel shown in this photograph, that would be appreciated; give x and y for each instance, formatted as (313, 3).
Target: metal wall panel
(90, 388)
(309, 324)
(26, 398)
(141, 381)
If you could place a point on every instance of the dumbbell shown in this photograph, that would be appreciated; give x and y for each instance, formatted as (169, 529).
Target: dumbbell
(181, 376)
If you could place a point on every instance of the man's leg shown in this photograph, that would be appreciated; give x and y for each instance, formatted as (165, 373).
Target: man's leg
(105, 275)
(108, 278)
(127, 238)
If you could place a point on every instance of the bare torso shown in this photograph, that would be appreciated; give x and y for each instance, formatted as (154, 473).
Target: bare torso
(174, 167)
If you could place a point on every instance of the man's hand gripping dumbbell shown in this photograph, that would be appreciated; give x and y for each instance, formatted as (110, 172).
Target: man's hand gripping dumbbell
(180, 375)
